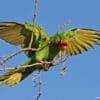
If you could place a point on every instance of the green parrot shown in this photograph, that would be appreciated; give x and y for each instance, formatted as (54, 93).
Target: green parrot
(70, 42)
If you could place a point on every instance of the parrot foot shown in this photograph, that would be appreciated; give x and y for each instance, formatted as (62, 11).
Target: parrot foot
(47, 65)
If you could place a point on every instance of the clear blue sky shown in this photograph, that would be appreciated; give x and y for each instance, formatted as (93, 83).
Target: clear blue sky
(82, 81)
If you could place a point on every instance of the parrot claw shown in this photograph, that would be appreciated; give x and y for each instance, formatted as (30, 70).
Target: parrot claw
(47, 65)
(46, 68)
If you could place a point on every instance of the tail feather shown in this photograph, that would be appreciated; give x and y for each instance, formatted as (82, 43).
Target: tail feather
(11, 79)
(16, 75)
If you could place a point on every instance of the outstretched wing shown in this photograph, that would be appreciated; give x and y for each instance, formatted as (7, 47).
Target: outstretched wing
(13, 32)
(81, 40)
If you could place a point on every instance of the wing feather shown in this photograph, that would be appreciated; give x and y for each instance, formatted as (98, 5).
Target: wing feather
(13, 32)
(82, 40)
(77, 47)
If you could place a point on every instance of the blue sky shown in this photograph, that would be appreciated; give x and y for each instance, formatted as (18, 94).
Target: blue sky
(82, 81)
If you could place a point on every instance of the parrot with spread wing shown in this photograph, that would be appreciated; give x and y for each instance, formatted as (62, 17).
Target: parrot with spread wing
(70, 42)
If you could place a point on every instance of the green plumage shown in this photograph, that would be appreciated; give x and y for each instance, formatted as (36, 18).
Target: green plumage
(79, 40)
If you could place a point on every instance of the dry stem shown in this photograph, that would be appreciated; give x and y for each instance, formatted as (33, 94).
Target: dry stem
(34, 20)
(51, 64)
(16, 53)
(39, 88)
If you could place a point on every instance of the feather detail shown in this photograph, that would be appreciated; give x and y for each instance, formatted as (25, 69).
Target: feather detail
(81, 40)
(13, 32)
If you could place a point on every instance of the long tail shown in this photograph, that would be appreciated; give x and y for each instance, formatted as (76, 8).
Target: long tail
(16, 75)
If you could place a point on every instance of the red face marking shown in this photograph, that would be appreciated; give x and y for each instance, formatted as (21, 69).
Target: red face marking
(63, 42)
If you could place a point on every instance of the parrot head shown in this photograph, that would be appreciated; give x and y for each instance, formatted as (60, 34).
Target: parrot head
(61, 41)
(62, 44)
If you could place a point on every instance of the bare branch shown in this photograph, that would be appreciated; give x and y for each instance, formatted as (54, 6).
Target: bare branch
(59, 61)
(49, 64)
(16, 53)
(34, 21)
(24, 66)
(39, 89)
(35, 11)
(5, 69)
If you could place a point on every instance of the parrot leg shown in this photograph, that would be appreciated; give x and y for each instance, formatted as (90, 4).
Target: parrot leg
(47, 65)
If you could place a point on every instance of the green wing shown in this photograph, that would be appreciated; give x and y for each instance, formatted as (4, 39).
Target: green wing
(81, 40)
(16, 33)
(13, 32)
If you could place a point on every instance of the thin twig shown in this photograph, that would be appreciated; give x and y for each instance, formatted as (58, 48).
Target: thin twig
(31, 40)
(39, 89)
(52, 64)
(24, 66)
(35, 11)
(34, 20)
(16, 53)
(59, 61)
(6, 69)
